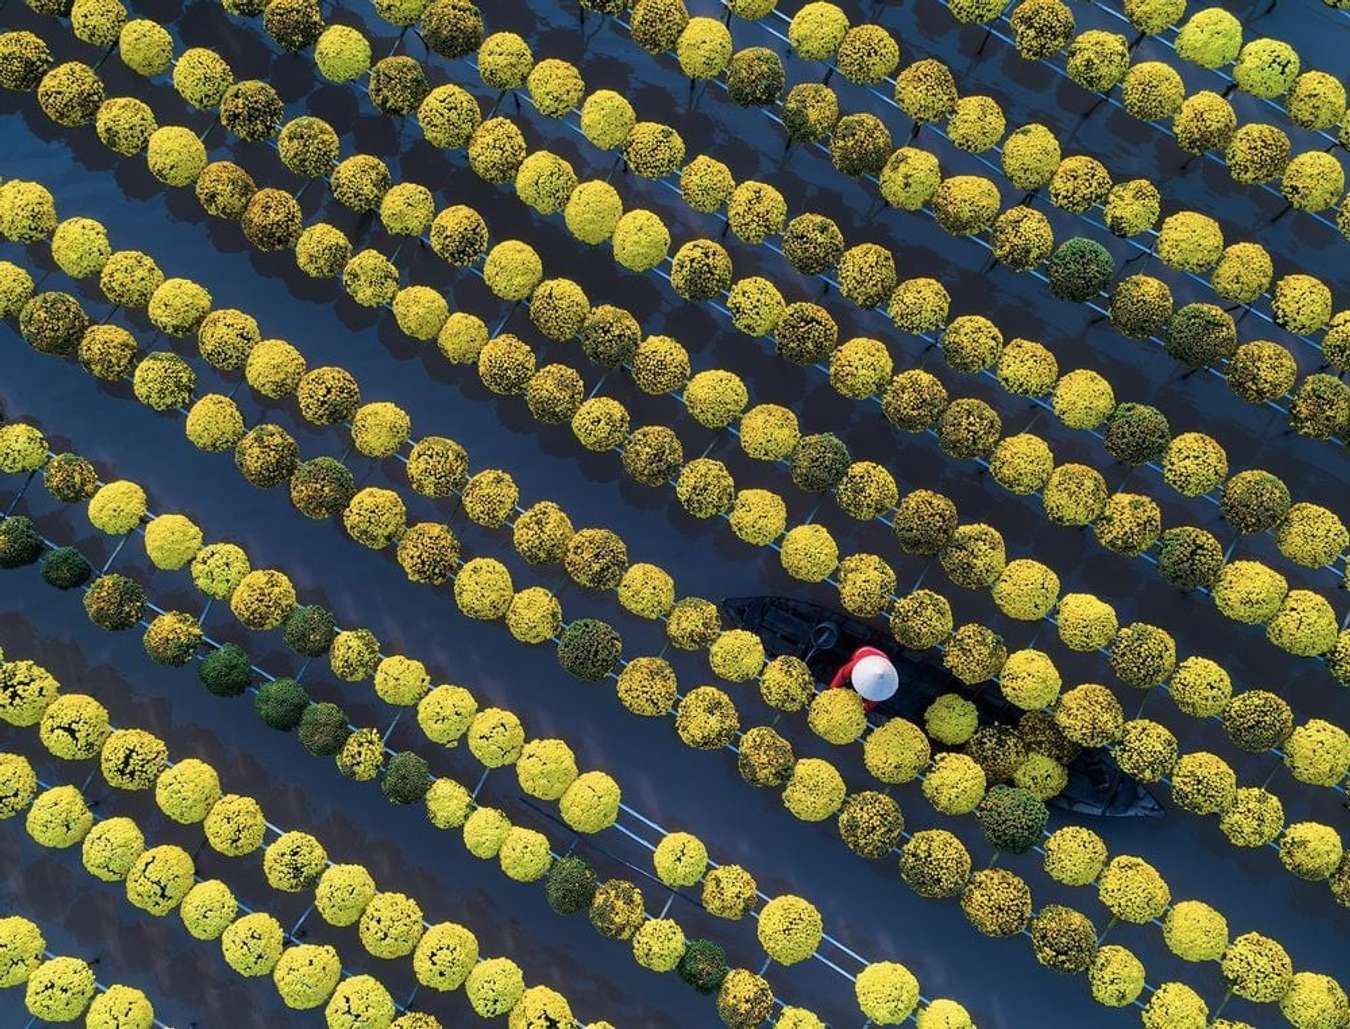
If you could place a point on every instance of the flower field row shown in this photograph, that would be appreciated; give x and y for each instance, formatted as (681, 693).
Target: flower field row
(1268, 69)
(75, 727)
(1098, 61)
(1153, 92)
(1081, 269)
(161, 879)
(63, 988)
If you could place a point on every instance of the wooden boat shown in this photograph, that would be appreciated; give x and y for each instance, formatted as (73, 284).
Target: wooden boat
(825, 639)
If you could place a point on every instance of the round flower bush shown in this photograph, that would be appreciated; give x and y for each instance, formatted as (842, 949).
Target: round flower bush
(789, 929)
(1174, 1004)
(815, 790)
(53, 323)
(1022, 238)
(1194, 931)
(1132, 890)
(1141, 305)
(955, 785)
(765, 758)
(1013, 819)
(1313, 1001)
(887, 992)
(871, 824)
(965, 204)
(729, 892)
(704, 48)
(659, 944)
(1063, 939)
(484, 831)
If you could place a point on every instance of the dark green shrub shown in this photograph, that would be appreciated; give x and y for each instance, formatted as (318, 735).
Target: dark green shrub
(1079, 269)
(703, 966)
(20, 543)
(281, 703)
(309, 630)
(588, 648)
(1137, 433)
(65, 568)
(406, 778)
(225, 671)
(1012, 818)
(323, 729)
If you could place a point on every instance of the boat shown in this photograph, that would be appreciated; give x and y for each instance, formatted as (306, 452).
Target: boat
(825, 639)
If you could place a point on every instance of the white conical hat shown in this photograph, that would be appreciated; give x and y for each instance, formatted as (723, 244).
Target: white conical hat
(875, 678)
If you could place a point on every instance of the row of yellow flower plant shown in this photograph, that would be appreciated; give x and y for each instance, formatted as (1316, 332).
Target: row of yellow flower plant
(76, 727)
(1268, 69)
(161, 879)
(1099, 61)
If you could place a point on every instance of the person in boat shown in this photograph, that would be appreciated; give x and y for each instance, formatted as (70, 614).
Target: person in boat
(871, 675)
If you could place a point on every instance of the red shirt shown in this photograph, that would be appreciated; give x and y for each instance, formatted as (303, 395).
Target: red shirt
(842, 677)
